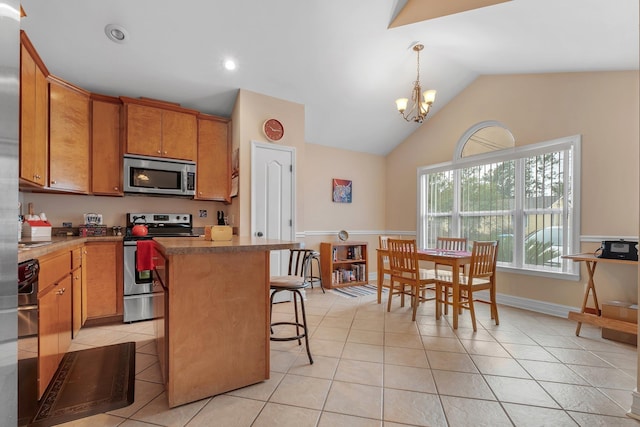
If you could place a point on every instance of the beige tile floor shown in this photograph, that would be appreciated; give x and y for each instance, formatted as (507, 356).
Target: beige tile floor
(374, 368)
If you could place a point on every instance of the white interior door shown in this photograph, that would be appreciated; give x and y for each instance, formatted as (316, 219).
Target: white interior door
(272, 198)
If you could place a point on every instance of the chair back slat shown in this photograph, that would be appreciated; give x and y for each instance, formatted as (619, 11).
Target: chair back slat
(452, 243)
(299, 261)
(403, 258)
(483, 259)
(383, 242)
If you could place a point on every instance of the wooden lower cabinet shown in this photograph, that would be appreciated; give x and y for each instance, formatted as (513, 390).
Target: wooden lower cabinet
(54, 335)
(103, 267)
(79, 310)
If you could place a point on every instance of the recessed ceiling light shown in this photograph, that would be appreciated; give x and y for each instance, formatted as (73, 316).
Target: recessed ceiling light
(116, 33)
(230, 64)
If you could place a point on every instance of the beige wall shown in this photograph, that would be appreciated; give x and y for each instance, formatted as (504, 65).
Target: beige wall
(317, 217)
(602, 106)
(364, 217)
(250, 112)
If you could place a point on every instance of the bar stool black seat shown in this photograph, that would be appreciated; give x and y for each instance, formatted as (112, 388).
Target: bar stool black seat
(295, 281)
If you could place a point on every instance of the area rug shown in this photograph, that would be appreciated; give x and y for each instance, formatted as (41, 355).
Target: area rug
(358, 291)
(88, 382)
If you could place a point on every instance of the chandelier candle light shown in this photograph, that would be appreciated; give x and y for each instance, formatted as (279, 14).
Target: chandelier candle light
(420, 108)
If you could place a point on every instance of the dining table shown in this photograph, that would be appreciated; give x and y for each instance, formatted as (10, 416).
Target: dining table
(454, 259)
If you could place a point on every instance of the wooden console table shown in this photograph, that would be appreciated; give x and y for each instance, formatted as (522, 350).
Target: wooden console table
(591, 262)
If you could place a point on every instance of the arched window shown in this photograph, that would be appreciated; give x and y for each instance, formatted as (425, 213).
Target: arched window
(484, 137)
(526, 198)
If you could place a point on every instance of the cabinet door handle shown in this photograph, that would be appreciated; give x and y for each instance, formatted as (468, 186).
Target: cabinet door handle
(159, 152)
(115, 188)
(54, 181)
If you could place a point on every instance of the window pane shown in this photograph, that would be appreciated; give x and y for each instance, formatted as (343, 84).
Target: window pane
(440, 192)
(439, 205)
(491, 227)
(544, 178)
(438, 226)
(544, 203)
(544, 240)
(489, 187)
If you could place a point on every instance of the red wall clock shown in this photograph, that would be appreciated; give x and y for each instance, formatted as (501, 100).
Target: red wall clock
(273, 130)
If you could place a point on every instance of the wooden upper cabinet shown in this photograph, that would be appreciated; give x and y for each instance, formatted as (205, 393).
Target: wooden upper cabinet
(143, 130)
(179, 135)
(106, 148)
(158, 129)
(68, 137)
(34, 115)
(213, 178)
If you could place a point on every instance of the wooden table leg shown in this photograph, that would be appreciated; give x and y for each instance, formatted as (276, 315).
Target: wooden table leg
(380, 276)
(456, 295)
(591, 287)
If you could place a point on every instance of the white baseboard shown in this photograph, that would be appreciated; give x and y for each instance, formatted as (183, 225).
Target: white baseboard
(536, 306)
(634, 412)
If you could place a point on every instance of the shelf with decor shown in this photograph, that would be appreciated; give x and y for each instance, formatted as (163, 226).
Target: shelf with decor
(343, 264)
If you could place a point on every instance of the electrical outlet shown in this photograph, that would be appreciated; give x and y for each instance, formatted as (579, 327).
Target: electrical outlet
(203, 213)
(67, 224)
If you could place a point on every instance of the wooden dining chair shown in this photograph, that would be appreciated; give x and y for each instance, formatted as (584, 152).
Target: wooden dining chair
(383, 268)
(407, 278)
(449, 244)
(481, 276)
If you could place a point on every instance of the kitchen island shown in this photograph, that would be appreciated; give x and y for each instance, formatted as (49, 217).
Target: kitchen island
(212, 331)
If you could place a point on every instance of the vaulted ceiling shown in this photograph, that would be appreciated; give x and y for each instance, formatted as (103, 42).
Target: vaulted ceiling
(345, 61)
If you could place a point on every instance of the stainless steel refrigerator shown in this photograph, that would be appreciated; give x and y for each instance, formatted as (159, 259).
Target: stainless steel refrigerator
(9, 125)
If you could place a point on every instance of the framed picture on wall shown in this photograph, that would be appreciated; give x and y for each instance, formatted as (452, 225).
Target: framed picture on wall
(342, 190)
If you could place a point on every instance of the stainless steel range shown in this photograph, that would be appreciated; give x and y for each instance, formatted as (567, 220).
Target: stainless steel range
(140, 295)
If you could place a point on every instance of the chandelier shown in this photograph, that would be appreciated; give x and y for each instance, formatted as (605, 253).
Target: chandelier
(420, 108)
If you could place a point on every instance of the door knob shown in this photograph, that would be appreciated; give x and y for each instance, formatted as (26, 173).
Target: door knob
(259, 234)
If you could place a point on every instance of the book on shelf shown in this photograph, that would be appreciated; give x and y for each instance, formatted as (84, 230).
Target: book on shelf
(357, 273)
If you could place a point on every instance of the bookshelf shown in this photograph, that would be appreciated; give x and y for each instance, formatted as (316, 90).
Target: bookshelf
(343, 264)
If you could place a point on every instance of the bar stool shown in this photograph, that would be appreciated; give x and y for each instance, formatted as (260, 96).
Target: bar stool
(315, 256)
(295, 281)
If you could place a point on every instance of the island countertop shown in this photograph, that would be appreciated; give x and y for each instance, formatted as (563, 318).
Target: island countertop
(198, 245)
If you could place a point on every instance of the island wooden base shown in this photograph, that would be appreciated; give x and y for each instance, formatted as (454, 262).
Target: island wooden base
(217, 323)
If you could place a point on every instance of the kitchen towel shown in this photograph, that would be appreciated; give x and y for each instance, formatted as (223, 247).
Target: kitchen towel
(144, 255)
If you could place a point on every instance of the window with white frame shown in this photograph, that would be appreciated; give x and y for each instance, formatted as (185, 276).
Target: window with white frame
(526, 198)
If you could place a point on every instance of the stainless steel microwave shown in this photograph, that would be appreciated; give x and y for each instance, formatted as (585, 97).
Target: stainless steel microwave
(153, 175)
